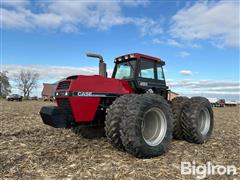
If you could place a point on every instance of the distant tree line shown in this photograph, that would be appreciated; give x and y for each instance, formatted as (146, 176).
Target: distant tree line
(5, 87)
(25, 82)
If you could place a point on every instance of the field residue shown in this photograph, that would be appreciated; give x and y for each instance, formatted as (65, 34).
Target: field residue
(31, 150)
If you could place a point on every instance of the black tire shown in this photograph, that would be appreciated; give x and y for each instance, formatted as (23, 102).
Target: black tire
(93, 132)
(113, 120)
(197, 120)
(132, 127)
(177, 106)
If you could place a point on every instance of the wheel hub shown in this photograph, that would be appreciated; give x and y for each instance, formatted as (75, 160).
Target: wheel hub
(204, 121)
(154, 126)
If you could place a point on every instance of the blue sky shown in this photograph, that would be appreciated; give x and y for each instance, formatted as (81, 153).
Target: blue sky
(199, 40)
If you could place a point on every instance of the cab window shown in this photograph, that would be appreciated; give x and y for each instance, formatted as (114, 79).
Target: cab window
(160, 75)
(125, 70)
(146, 69)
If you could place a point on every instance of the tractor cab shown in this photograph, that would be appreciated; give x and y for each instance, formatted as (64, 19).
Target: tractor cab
(144, 73)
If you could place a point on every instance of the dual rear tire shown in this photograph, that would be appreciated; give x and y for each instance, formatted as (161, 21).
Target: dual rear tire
(197, 120)
(193, 119)
(177, 105)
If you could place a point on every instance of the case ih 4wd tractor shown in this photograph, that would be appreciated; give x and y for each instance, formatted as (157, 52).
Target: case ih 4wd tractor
(131, 108)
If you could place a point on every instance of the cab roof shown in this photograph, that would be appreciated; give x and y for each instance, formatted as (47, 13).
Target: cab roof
(138, 56)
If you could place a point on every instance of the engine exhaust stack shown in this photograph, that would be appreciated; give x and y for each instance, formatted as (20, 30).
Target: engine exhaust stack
(102, 64)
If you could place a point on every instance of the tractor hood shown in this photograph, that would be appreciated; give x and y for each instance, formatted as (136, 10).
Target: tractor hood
(95, 85)
(81, 95)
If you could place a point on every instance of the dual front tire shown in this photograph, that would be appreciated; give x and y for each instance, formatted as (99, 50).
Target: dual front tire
(143, 127)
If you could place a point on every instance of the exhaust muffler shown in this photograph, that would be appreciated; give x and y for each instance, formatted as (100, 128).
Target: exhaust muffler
(102, 64)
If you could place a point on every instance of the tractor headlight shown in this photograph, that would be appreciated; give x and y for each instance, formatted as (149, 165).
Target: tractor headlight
(132, 56)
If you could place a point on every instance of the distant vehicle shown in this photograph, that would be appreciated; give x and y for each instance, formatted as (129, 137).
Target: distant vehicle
(220, 103)
(213, 101)
(48, 91)
(217, 102)
(231, 103)
(14, 97)
(51, 98)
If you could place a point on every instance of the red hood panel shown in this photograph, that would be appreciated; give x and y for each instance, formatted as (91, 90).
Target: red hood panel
(101, 84)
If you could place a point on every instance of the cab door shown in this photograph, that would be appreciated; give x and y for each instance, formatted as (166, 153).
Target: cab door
(151, 77)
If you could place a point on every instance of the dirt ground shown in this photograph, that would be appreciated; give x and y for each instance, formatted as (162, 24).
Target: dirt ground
(31, 150)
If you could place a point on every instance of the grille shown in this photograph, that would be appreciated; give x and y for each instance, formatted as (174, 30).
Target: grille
(65, 104)
(63, 85)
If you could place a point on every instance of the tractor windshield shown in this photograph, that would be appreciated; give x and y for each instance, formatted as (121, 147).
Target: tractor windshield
(125, 70)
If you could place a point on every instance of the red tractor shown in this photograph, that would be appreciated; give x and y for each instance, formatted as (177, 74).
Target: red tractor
(131, 108)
